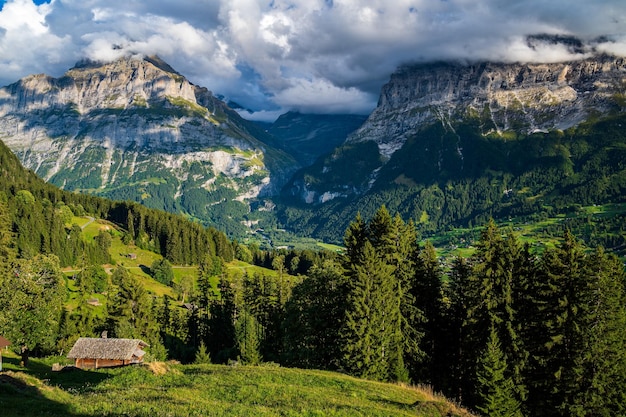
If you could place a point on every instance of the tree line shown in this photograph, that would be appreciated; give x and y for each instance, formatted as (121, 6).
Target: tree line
(506, 331)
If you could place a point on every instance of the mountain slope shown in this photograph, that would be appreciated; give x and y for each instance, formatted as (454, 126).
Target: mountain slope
(135, 129)
(308, 136)
(451, 145)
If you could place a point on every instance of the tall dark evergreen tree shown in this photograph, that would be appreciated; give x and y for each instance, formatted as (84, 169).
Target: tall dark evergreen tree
(223, 312)
(428, 296)
(496, 389)
(490, 301)
(578, 365)
(458, 361)
(313, 318)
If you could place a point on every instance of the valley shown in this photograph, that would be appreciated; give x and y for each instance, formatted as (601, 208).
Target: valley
(468, 235)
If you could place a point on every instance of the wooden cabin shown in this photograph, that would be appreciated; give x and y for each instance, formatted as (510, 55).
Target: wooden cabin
(94, 353)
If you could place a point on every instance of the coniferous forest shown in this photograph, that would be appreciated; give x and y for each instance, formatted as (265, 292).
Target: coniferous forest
(509, 330)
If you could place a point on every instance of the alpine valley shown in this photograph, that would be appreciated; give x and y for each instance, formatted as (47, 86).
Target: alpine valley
(449, 145)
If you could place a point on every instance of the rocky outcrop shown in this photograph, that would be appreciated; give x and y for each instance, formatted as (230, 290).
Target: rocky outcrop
(521, 97)
(120, 129)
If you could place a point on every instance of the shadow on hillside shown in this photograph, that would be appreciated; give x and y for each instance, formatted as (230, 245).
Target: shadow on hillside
(68, 379)
(33, 390)
(20, 398)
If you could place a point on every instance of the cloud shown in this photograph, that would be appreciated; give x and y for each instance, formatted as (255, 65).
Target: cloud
(309, 55)
(321, 96)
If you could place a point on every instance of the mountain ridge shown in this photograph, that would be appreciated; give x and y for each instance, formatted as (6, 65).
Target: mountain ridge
(515, 95)
(452, 145)
(136, 129)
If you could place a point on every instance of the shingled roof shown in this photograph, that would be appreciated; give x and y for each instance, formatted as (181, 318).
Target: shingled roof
(97, 348)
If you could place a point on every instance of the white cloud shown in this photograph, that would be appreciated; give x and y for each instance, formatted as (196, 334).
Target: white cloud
(26, 44)
(311, 55)
(321, 96)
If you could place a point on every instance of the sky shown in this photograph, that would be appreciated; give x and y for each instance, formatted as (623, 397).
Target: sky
(314, 56)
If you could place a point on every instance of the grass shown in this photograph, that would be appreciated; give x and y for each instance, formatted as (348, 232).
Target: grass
(331, 247)
(139, 265)
(168, 389)
(528, 232)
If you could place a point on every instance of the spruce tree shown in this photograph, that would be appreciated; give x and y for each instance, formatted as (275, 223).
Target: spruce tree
(372, 311)
(247, 335)
(458, 361)
(313, 318)
(558, 370)
(202, 356)
(490, 300)
(579, 365)
(605, 356)
(427, 293)
(496, 389)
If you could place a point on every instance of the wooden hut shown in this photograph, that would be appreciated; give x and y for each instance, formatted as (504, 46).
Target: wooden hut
(90, 353)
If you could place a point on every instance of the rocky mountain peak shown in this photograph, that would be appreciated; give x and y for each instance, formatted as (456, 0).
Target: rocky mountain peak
(124, 83)
(135, 129)
(504, 96)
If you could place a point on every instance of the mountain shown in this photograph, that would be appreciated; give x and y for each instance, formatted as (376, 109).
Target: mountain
(524, 98)
(135, 129)
(452, 144)
(306, 137)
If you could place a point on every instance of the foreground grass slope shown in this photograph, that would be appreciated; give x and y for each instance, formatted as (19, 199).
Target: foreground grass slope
(163, 389)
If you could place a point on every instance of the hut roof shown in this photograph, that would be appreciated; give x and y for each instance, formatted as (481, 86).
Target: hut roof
(98, 348)
(4, 342)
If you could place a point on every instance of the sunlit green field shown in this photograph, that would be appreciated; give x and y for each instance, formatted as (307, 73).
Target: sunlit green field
(165, 389)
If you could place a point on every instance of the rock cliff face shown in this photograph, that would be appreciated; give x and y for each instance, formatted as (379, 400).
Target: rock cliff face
(136, 129)
(498, 100)
(520, 97)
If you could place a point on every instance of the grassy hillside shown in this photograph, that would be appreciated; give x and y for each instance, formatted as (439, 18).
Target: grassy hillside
(139, 264)
(164, 389)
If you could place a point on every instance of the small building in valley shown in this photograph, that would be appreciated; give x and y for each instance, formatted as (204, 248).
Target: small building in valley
(94, 353)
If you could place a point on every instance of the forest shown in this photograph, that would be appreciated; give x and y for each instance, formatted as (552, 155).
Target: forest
(509, 330)
(526, 177)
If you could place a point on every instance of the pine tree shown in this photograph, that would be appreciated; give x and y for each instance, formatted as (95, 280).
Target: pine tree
(490, 301)
(371, 316)
(458, 360)
(605, 355)
(247, 335)
(427, 293)
(496, 390)
(222, 340)
(202, 356)
(579, 362)
(313, 317)
(563, 304)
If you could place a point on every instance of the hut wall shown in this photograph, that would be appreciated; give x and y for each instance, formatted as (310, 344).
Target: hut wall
(88, 363)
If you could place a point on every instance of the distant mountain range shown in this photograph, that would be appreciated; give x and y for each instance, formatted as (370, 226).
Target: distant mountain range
(449, 144)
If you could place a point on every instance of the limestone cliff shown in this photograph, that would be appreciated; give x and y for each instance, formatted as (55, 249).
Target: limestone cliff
(136, 129)
(501, 100)
(520, 97)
